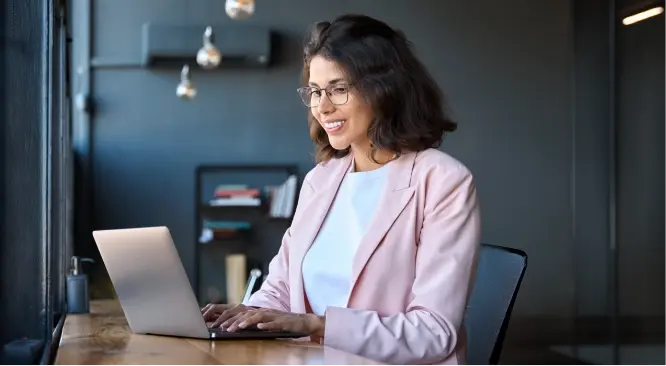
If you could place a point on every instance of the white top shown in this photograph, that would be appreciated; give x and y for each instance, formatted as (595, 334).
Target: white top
(327, 266)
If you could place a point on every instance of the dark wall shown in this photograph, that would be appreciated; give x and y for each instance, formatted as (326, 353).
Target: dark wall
(591, 131)
(509, 70)
(3, 114)
(635, 79)
(22, 229)
(640, 157)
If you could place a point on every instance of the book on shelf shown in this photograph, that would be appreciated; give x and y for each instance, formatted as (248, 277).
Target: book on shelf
(220, 230)
(280, 199)
(235, 195)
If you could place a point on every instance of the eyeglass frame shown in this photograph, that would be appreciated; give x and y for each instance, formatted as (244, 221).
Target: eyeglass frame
(328, 93)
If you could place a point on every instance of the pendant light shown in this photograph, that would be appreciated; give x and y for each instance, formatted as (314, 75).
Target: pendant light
(209, 56)
(239, 9)
(186, 89)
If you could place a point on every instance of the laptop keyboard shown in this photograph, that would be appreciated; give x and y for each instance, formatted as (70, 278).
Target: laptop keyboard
(248, 329)
(251, 332)
(251, 329)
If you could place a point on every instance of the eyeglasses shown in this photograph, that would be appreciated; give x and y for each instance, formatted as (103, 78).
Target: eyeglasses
(338, 94)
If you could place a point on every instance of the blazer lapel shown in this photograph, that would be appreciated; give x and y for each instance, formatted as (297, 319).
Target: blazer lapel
(325, 187)
(393, 200)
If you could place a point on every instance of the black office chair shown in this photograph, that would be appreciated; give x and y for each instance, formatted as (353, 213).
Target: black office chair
(500, 272)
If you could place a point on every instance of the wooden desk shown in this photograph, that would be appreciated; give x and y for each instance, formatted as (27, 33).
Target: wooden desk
(103, 337)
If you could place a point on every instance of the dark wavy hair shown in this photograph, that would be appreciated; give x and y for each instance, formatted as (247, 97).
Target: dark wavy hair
(408, 106)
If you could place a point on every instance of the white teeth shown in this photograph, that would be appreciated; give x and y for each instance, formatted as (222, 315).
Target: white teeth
(333, 124)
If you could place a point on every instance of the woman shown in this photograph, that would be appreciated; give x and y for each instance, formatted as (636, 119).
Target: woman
(380, 256)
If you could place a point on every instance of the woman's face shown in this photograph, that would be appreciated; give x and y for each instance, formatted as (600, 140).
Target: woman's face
(338, 107)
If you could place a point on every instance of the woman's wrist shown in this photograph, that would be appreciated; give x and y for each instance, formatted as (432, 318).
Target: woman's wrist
(316, 325)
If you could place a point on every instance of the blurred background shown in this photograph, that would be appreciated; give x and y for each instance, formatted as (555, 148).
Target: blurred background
(561, 119)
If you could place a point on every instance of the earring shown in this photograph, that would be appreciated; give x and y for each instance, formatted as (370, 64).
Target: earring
(186, 89)
(239, 9)
(209, 56)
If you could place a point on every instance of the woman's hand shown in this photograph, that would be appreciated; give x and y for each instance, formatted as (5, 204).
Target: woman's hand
(270, 319)
(219, 313)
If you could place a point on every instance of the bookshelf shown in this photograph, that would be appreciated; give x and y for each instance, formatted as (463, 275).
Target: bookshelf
(242, 212)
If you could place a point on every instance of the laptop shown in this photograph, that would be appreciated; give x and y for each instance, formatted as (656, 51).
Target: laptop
(154, 290)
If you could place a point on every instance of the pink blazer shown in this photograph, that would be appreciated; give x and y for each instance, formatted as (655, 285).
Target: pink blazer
(413, 271)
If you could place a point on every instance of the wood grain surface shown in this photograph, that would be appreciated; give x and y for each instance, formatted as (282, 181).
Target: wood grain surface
(103, 337)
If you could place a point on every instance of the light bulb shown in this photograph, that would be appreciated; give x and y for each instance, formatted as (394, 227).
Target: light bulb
(643, 15)
(209, 56)
(239, 9)
(186, 89)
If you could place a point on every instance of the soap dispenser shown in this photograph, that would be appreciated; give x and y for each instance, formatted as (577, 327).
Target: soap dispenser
(78, 298)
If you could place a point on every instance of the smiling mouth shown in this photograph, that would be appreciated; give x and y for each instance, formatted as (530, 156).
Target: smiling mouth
(333, 126)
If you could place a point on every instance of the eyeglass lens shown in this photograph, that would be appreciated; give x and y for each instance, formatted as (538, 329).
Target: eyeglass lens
(337, 94)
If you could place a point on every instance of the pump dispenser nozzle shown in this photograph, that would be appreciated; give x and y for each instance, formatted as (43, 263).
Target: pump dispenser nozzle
(78, 299)
(75, 268)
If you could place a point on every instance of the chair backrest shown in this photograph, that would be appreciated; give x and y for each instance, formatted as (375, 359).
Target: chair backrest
(499, 274)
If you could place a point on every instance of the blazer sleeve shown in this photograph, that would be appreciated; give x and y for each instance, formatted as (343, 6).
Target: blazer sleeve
(274, 292)
(428, 331)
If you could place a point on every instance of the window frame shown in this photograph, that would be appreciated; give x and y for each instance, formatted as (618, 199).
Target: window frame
(35, 173)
